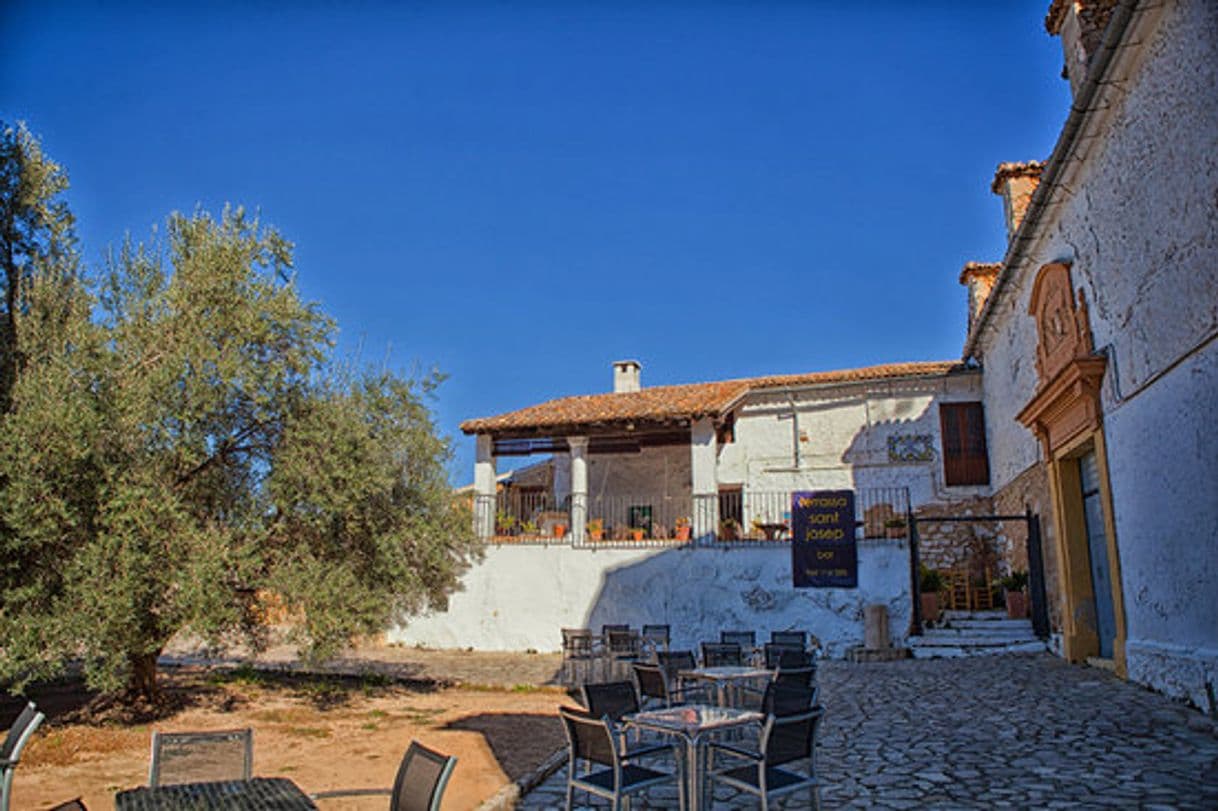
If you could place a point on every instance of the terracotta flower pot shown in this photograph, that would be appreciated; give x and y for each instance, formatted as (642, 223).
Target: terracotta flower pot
(638, 534)
(930, 606)
(1017, 605)
(597, 534)
(560, 530)
(683, 533)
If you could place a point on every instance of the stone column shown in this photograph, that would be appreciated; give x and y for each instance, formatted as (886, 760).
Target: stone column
(704, 461)
(484, 487)
(579, 486)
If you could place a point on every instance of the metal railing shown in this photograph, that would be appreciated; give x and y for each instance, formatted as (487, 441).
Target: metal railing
(745, 517)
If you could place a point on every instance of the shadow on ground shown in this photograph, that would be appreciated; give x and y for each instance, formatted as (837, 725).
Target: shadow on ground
(520, 742)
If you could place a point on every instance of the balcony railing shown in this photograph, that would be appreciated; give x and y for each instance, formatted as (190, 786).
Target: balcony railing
(740, 516)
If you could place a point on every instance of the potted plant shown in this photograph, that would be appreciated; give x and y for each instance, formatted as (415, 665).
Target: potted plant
(596, 529)
(560, 530)
(1015, 585)
(683, 529)
(638, 533)
(528, 528)
(931, 583)
(729, 529)
(504, 524)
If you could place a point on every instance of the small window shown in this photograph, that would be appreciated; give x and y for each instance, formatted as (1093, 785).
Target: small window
(727, 431)
(965, 459)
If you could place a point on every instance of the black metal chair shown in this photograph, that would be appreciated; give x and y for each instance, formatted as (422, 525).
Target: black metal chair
(745, 639)
(577, 654)
(419, 786)
(622, 648)
(654, 683)
(656, 637)
(784, 740)
(197, 757)
(591, 740)
(796, 639)
(675, 661)
(613, 700)
(18, 736)
(786, 656)
(797, 676)
(717, 654)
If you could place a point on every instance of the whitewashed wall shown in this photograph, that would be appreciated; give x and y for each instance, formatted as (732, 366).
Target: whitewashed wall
(1141, 231)
(520, 596)
(844, 438)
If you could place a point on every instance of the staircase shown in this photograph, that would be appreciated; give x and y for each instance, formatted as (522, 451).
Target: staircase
(975, 633)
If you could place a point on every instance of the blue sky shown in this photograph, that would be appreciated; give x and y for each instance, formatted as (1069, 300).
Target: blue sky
(520, 193)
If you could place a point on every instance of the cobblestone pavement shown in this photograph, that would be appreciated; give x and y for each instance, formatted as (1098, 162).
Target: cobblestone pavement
(990, 732)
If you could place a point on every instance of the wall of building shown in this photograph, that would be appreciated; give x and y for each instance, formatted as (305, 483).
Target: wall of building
(845, 433)
(520, 597)
(1140, 227)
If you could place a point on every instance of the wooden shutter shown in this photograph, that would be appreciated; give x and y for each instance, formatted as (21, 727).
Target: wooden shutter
(965, 459)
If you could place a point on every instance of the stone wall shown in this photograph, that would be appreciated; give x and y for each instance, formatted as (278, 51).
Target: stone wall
(1030, 490)
(954, 544)
(520, 597)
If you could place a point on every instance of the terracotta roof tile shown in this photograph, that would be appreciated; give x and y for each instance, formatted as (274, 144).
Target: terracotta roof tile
(687, 401)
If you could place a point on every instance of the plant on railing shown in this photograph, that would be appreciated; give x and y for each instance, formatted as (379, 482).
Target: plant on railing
(504, 523)
(528, 528)
(729, 529)
(683, 529)
(596, 528)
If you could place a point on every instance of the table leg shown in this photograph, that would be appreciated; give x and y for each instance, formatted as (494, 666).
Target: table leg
(694, 762)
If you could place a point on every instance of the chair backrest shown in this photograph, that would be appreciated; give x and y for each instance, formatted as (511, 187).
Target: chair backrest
(674, 661)
(19, 733)
(784, 700)
(605, 629)
(790, 738)
(717, 654)
(576, 642)
(195, 757)
(622, 643)
(797, 676)
(745, 639)
(783, 655)
(591, 739)
(658, 634)
(797, 639)
(421, 779)
(652, 682)
(613, 699)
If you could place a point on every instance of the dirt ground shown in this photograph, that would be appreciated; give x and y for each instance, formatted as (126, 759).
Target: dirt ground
(495, 712)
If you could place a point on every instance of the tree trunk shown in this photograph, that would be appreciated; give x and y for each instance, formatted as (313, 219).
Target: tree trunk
(143, 676)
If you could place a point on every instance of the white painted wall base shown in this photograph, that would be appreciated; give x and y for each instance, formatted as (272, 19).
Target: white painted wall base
(520, 597)
(1175, 670)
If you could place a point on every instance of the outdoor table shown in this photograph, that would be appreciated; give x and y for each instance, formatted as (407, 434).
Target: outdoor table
(258, 794)
(693, 722)
(726, 676)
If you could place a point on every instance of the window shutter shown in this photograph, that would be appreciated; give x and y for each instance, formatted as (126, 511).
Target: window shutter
(965, 458)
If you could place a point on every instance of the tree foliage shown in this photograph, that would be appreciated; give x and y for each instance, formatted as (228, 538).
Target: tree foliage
(181, 448)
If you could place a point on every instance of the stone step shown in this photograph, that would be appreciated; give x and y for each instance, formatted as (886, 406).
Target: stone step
(986, 616)
(922, 651)
(988, 625)
(999, 633)
(949, 640)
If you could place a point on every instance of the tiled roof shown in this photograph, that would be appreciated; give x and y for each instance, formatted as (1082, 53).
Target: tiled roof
(661, 403)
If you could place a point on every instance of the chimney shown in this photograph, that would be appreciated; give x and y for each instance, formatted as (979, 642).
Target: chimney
(1015, 182)
(979, 277)
(1080, 24)
(626, 375)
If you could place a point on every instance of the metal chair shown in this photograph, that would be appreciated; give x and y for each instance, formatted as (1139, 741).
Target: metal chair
(796, 676)
(196, 757)
(796, 639)
(784, 740)
(717, 654)
(71, 805)
(422, 778)
(656, 637)
(621, 647)
(785, 656)
(19, 734)
(653, 682)
(577, 651)
(591, 740)
(613, 700)
(745, 639)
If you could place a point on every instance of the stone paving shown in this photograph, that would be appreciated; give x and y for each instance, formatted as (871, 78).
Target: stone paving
(1028, 731)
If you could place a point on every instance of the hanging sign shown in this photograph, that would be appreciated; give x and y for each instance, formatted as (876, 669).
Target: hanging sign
(823, 549)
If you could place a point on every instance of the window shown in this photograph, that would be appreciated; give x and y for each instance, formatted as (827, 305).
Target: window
(965, 460)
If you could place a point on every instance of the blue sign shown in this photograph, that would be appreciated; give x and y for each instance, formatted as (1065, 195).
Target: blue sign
(824, 553)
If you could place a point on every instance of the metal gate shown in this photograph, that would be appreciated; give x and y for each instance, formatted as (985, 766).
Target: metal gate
(1036, 565)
